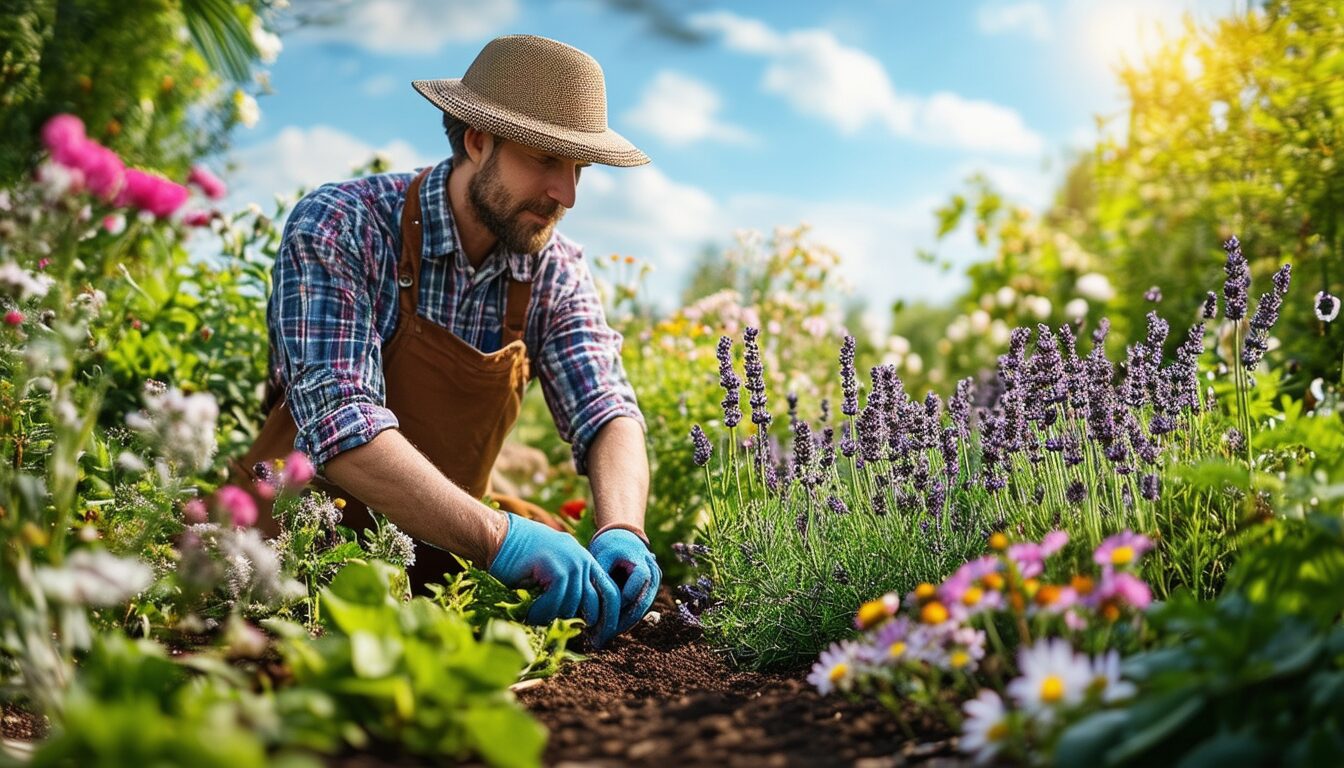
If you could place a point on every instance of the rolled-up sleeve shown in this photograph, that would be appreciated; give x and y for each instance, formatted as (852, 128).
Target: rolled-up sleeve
(580, 370)
(325, 342)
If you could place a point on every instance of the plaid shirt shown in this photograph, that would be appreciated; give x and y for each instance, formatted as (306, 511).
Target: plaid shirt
(334, 306)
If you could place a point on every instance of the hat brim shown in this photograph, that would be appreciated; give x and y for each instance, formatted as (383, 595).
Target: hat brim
(606, 147)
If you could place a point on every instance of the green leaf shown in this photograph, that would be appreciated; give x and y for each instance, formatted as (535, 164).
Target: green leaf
(373, 656)
(1085, 744)
(505, 736)
(1228, 749)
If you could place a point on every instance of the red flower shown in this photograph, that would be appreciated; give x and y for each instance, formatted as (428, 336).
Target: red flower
(574, 508)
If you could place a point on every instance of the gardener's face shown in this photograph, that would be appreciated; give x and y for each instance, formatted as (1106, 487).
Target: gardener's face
(520, 193)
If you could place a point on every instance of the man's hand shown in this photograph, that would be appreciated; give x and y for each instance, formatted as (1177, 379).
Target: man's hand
(625, 557)
(573, 583)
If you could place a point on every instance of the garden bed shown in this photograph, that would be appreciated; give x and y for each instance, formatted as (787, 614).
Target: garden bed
(659, 695)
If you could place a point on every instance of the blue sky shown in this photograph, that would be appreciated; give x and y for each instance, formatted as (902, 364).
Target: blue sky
(857, 118)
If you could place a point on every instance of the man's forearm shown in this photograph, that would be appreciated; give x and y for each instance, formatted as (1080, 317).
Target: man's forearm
(618, 469)
(389, 475)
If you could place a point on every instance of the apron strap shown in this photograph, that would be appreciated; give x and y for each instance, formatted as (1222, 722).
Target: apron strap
(515, 311)
(408, 266)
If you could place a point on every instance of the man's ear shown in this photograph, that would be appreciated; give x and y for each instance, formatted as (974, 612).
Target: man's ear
(479, 144)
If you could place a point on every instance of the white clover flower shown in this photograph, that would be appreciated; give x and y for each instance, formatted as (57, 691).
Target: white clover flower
(1052, 676)
(94, 577)
(899, 344)
(1094, 286)
(914, 363)
(1076, 309)
(985, 727)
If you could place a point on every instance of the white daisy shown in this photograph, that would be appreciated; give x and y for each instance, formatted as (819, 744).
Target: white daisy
(1106, 680)
(985, 728)
(836, 669)
(1052, 676)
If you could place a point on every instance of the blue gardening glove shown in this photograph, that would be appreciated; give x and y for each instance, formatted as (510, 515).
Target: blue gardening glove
(572, 583)
(627, 560)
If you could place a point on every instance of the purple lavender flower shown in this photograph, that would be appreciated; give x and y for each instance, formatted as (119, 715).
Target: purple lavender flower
(951, 456)
(1238, 282)
(827, 447)
(801, 522)
(849, 384)
(1126, 496)
(1236, 442)
(1076, 492)
(936, 496)
(880, 503)
(1266, 315)
(732, 407)
(959, 405)
(703, 449)
(1210, 305)
(689, 553)
(839, 575)
(837, 505)
(1185, 371)
(1327, 307)
(1153, 294)
(1150, 487)
(825, 410)
(847, 445)
(792, 399)
(1073, 449)
(1102, 330)
(755, 371)
(803, 453)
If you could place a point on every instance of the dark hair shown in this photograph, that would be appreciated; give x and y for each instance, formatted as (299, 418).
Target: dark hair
(456, 130)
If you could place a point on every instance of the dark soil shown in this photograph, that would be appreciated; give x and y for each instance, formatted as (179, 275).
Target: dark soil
(660, 696)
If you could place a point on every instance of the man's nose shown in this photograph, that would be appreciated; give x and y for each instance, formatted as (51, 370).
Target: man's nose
(564, 185)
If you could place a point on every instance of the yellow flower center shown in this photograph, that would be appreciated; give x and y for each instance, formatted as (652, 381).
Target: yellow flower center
(924, 592)
(992, 581)
(339, 503)
(997, 731)
(897, 649)
(1048, 594)
(972, 595)
(998, 542)
(1083, 585)
(933, 613)
(1122, 555)
(1052, 689)
(871, 613)
(959, 659)
(839, 671)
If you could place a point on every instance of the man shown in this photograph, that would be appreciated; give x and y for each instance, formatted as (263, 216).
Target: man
(410, 310)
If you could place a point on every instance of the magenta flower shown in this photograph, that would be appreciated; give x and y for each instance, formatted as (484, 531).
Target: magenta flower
(1122, 589)
(64, 137)
(298, 470)
(241, 509)
(102, 171)
(1123, 549)
(208, 182)
(1030, 556)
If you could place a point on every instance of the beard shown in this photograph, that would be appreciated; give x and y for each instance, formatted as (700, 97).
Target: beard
(503, 216)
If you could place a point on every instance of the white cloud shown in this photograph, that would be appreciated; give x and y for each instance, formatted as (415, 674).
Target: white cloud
(819, 76)
(681, 110)
(1028, 18)
(414, 26)
(306, 157)
(381, 85)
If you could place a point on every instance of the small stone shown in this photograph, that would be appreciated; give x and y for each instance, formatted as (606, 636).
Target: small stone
(642, 749)
(652, 617)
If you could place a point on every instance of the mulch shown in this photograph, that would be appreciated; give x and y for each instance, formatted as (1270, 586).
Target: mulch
(659, 696)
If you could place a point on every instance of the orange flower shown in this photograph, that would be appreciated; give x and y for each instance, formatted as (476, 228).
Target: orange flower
(1083, 585)
(933, 613)
(998, 542)
(573, 508)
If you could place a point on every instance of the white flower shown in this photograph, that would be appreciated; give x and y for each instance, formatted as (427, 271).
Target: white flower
(56, 181)
(835, 669)
(979, 321)
(899, 344)
(914, 363)
(985, 727)
(248, 111)
(21, 284)
(1076, 309)
(1038, 306)
(1106, 680)
(999, 333)
(1094, 286)
(958, 330)
(1052, 676)
(1005, 296)
(183, 425)
(1327, 307)
(130, 462)
(94, 577)
(268, 43)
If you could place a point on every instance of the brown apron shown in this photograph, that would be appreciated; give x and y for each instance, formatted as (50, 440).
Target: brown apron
(453, 402)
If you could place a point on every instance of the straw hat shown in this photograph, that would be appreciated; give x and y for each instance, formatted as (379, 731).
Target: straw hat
(538, 92)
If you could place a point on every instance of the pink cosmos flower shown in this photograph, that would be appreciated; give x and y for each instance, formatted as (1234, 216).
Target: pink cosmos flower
(242, 510)
(298, 470)
(152, 193)
(101, 169)
(209, 183)
(64, 137)
(1119, 588)
(1123, 549)
(1030, 556)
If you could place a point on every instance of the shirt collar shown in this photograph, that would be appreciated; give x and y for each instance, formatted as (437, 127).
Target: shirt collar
(441, 239)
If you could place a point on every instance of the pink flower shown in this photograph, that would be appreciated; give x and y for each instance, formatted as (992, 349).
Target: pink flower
(64, 136)
(242, 510)
(1122, 589)
(1030, 556)
(197, 218)
(194, 511)
(298, 470)
(208, 182)
(152, 193)
(114, 223)
(104, 172)
(13, 317)
(1123, 549)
